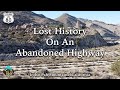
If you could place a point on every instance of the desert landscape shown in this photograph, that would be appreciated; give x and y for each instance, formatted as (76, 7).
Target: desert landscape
(70, 68)
(19, 35)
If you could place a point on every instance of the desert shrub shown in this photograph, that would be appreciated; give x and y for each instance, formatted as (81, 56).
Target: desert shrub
(116, 68)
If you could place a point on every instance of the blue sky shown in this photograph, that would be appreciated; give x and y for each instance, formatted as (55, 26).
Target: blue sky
(112, 17)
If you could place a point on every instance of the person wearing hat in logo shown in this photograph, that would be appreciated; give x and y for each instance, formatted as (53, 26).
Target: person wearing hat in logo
(8, 71)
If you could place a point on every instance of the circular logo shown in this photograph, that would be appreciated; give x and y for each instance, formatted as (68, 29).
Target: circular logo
(8, 71)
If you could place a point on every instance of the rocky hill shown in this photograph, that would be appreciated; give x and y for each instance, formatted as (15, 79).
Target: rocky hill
(68, 20)
(105, 30)
(25, 17)
(20, 35)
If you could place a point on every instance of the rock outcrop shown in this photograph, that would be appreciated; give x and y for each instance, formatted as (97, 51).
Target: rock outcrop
(20, 35)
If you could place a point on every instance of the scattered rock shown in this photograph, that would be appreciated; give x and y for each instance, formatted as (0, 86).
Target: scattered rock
(43, 71)
(109, 77)
(15, 77)
(88, 69)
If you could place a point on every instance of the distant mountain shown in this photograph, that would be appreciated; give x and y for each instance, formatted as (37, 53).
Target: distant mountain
(68, 20)
(106, 30)
(113, 28)
(103, 31)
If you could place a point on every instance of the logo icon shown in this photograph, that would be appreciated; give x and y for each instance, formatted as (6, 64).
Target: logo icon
(8, 17)
(8, 71)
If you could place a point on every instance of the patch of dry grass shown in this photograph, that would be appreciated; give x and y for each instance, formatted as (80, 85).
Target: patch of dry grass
(116, 68)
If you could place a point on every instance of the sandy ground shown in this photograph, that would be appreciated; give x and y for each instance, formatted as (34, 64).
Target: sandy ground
(64, 67)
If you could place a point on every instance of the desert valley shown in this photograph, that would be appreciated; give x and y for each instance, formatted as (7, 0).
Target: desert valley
(93, 55)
